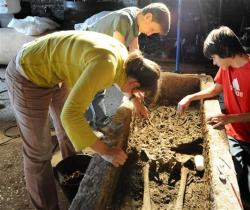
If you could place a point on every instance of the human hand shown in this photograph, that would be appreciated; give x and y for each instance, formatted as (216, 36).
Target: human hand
(183, 105)
(116, 156)
(140, 109)
(139, 95)
(218, 121)
(138, 101)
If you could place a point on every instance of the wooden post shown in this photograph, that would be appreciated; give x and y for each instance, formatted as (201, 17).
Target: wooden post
(146, 194)
(180, 197)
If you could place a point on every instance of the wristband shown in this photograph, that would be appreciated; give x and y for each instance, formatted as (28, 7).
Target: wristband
(131, 97)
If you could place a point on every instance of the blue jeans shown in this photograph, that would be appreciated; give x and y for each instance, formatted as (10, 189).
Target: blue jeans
(240, 152)
(96, 113)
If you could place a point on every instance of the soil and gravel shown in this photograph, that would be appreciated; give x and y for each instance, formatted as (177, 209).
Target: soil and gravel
(167, 142)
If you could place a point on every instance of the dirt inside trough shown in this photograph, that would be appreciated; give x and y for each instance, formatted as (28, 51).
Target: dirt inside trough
(167, 142)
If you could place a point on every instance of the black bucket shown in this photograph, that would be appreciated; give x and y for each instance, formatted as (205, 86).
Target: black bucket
(69, 173)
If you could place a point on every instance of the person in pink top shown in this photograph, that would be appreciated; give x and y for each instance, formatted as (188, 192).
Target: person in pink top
(232, 79)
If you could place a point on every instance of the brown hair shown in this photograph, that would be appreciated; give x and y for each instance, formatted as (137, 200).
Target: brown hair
(161, 15)
(145, 71)
(222, 42)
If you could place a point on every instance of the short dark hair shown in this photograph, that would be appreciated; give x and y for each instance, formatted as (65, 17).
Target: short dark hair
(222, 42)
(161, 15)
(145, 71)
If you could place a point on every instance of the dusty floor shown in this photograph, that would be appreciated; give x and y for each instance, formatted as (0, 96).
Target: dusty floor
(170, 142)
(12, 191)
(13, 195)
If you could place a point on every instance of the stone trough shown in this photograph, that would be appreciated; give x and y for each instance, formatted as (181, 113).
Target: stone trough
(98, 187)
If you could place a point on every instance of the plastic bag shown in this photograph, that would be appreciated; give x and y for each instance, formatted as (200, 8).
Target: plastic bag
(9, 6)
(32, 25)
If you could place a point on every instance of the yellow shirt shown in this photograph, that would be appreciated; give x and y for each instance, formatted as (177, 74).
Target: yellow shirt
(87, 62)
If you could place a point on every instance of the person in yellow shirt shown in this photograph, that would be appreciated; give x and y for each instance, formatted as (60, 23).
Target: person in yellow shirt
(60, 73)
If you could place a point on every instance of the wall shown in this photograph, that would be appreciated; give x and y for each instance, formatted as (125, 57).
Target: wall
(55, 8)
(47, 8)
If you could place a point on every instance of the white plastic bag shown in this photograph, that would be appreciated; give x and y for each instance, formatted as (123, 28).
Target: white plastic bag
(91, 20)
(32, 25)
(9, 6)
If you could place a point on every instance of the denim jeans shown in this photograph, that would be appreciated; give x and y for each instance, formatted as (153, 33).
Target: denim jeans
(240, 152)
(96, 113)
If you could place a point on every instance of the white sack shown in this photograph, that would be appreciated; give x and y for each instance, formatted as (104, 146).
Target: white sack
(32, 25)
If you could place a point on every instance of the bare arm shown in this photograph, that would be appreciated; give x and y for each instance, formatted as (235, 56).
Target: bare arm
(134, 45)
(117, 35)
(220, 120)
(244, 117)
(210, 92)
(214, 90)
